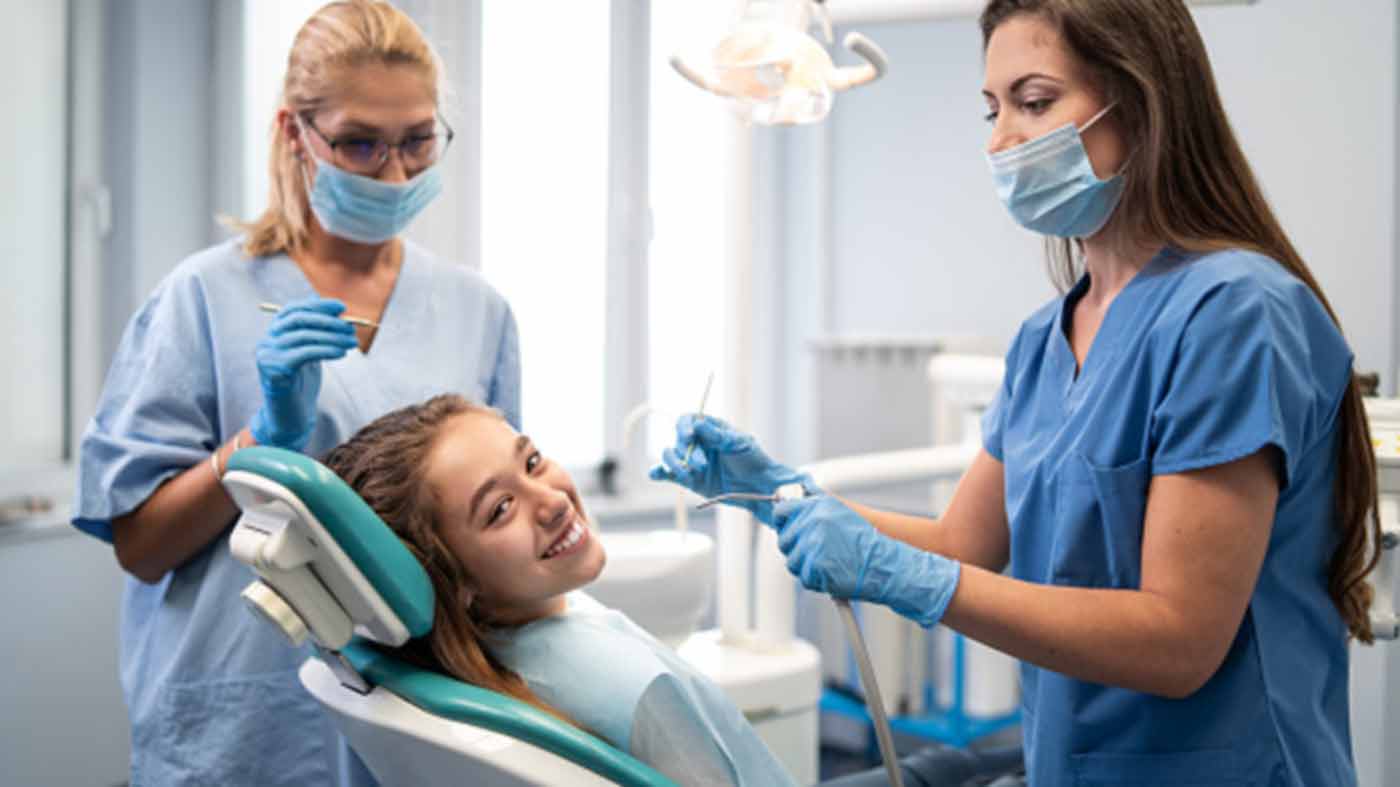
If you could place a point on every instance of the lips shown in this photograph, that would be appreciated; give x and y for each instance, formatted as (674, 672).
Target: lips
(568, 541)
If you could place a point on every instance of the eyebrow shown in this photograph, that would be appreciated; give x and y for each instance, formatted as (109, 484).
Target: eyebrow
(1019, 83)
(521, 443)
(356, 126)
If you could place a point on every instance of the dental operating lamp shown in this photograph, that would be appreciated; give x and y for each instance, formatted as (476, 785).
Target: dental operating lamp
(771, 68)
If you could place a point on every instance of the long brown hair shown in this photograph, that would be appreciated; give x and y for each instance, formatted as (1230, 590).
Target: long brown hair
(1188, 185)
(386, 464)
(340, 36)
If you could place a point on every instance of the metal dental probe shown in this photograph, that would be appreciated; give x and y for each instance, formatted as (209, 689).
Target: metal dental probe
(273, 308)
(704, 397)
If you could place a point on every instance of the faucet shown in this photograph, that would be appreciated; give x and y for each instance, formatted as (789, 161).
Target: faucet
(630, 422)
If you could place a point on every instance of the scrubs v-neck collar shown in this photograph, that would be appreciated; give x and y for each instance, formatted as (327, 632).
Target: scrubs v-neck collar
(358, 373)
(388, 318)
(1109, 338)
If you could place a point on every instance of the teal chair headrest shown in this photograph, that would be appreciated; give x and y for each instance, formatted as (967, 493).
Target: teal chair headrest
(385, 562)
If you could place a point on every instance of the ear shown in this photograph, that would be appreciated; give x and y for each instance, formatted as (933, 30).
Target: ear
(289, 129)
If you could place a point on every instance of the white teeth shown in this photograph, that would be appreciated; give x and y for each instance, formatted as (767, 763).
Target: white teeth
(572, 536)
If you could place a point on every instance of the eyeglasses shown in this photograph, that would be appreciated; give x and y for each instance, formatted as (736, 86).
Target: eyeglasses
(366, 155)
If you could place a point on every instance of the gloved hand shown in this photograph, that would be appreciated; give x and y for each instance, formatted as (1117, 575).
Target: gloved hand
(289, 357)
(832, 550)
(725, 460)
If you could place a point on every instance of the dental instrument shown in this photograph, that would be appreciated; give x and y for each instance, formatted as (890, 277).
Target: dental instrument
(706, 503)
(273, 308)
(874, 702)
(704, 397)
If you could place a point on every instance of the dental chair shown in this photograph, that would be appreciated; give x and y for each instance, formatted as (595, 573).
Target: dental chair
(331, 571)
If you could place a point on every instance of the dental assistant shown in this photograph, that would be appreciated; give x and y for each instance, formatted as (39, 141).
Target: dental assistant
(1177, 468)
(201, 371)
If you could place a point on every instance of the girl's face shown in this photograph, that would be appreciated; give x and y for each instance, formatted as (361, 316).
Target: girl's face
(1034, 85)
(511, 516)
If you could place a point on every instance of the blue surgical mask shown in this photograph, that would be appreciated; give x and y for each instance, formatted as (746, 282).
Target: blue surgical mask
(1050, 187)
(366, 210)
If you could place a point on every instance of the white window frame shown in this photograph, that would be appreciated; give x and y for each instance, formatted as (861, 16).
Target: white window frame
(629, 232)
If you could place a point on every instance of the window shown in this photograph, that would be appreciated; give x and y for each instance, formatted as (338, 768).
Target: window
(545, 146)
(544, 151)
(686, 261)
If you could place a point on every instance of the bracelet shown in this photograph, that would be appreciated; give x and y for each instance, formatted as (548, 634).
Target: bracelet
(214, 457)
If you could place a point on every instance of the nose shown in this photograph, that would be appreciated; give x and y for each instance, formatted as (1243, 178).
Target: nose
(393, 170)
(554, 508)
(1004, 135)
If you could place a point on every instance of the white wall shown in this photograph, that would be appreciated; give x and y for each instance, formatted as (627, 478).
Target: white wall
(62, 719)
(1311, 90)
(920, 244)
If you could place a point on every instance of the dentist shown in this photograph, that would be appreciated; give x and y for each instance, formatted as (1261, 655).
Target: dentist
(201, 371)
(1177, 470)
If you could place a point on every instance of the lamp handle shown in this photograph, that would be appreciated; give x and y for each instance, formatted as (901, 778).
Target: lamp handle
(876, 64)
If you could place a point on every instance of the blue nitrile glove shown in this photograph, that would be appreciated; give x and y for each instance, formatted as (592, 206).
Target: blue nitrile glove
(725, 460)
(832, 550)
(302, 335)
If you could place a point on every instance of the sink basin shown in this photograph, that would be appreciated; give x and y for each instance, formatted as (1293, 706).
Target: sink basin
(662, 579)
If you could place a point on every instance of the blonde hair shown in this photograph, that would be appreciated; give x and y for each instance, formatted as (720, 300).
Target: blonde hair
(1190, 185)
(338, 37)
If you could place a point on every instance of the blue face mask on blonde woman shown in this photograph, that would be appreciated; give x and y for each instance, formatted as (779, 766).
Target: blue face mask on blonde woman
(352, 203)
(202, 371)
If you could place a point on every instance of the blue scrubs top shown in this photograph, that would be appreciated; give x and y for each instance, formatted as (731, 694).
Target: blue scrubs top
(609, 675)
(1198, 362)
(211, 690)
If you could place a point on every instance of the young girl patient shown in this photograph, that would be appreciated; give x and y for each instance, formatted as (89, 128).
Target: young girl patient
(503, 535)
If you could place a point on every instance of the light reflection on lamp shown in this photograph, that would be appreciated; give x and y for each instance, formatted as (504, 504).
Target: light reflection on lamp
(772, 69)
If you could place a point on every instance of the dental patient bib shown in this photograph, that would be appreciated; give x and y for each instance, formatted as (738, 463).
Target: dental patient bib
(607, 674)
